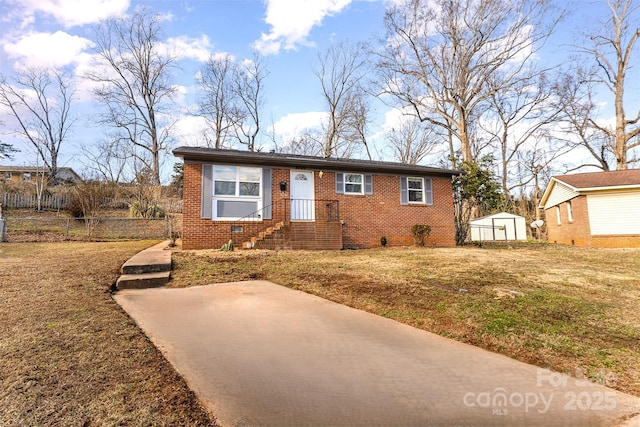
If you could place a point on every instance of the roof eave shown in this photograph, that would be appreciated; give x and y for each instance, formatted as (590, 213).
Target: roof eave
(547, 193)
(609, 188)
(301, 162)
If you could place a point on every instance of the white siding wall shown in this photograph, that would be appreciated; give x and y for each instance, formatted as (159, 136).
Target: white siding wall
(559, 194)
(614, 213)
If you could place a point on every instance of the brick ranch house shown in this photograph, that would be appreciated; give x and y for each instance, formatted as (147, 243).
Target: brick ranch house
(599, 209)
(272, 200)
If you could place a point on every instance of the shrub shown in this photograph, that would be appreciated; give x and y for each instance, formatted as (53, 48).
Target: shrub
(420, 233)
(74, 206)
(141, 209)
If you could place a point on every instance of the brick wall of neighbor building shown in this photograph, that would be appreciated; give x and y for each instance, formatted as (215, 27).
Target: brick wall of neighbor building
(578, 232)
(366, 218)
(569, 233)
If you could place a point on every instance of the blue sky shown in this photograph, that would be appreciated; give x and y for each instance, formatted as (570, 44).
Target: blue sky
(289, 33)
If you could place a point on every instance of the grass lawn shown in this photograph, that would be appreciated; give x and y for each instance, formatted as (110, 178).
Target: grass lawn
(574, 310)
(69, 355)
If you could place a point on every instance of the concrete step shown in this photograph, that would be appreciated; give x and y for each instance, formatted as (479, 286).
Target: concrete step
(153, 260)
(141, 281)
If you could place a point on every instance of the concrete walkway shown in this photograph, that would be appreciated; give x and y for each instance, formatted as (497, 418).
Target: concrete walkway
(146, 269)
(261, 354)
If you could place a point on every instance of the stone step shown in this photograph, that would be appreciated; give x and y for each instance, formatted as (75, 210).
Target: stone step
(141, 281)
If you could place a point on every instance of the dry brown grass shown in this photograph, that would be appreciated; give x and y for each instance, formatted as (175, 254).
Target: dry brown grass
(69, 355)
(577, 312)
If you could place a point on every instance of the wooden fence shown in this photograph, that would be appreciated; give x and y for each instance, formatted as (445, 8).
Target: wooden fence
(30, 201)
(55, 201)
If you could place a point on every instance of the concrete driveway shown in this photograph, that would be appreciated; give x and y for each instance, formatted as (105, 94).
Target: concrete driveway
(257, 353)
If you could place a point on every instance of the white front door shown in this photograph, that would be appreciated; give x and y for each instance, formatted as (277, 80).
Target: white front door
(302, 196)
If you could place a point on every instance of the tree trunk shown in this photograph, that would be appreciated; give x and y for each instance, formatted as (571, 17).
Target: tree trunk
(620, 142)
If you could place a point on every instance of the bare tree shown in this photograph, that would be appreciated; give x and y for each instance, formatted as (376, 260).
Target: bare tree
(612, 48)
(109, 159)
(249, 81)
(579, 120)
(219, 104)
(341, 72)
(308, 143)
(440, 56)
(40, 102)
(518, 115)
(358, 123)
(535, 162)
(412, 141)
(6, 150)
(134, 84)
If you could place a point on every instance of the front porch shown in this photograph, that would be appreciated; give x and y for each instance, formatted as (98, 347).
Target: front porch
(295, 224)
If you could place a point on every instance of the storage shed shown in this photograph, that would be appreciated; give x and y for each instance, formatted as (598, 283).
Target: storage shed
(502, 226)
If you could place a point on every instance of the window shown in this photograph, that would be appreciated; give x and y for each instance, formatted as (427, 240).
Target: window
(7, 175)
(416, 191)
(353, 183)
(235, 192)
(558, 215)
(569, 212)
(234, 181)
(26, 176)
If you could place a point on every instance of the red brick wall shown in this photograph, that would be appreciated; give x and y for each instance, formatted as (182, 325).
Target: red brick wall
(578, 232)
(369, 217)
(203, 233)
(569, 233)
(366, 218)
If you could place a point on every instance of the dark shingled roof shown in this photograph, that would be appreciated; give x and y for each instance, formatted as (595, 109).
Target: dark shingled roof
(601, 179)
(214, 155)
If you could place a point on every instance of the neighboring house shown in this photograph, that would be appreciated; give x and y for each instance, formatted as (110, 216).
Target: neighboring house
(599, 209)
(18, 174)
(289, 201)
(501, 226)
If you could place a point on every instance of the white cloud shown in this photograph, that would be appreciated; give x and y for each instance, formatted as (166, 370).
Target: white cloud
(395, 118)
(190, 130)
(185, 47)
(292, 21)
(76, 12)
(294, 124)
(47, 49)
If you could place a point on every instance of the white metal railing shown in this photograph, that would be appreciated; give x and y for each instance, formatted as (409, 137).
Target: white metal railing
(303, 210)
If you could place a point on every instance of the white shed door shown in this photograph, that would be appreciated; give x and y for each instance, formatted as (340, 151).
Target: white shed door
(614, 213)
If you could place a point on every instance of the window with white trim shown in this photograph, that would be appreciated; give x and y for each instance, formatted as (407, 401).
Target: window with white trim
(416, 191)
(415, 187)
(236, 193)
(569, 212)
(558, 215)
(353, 183)
(236, 181)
